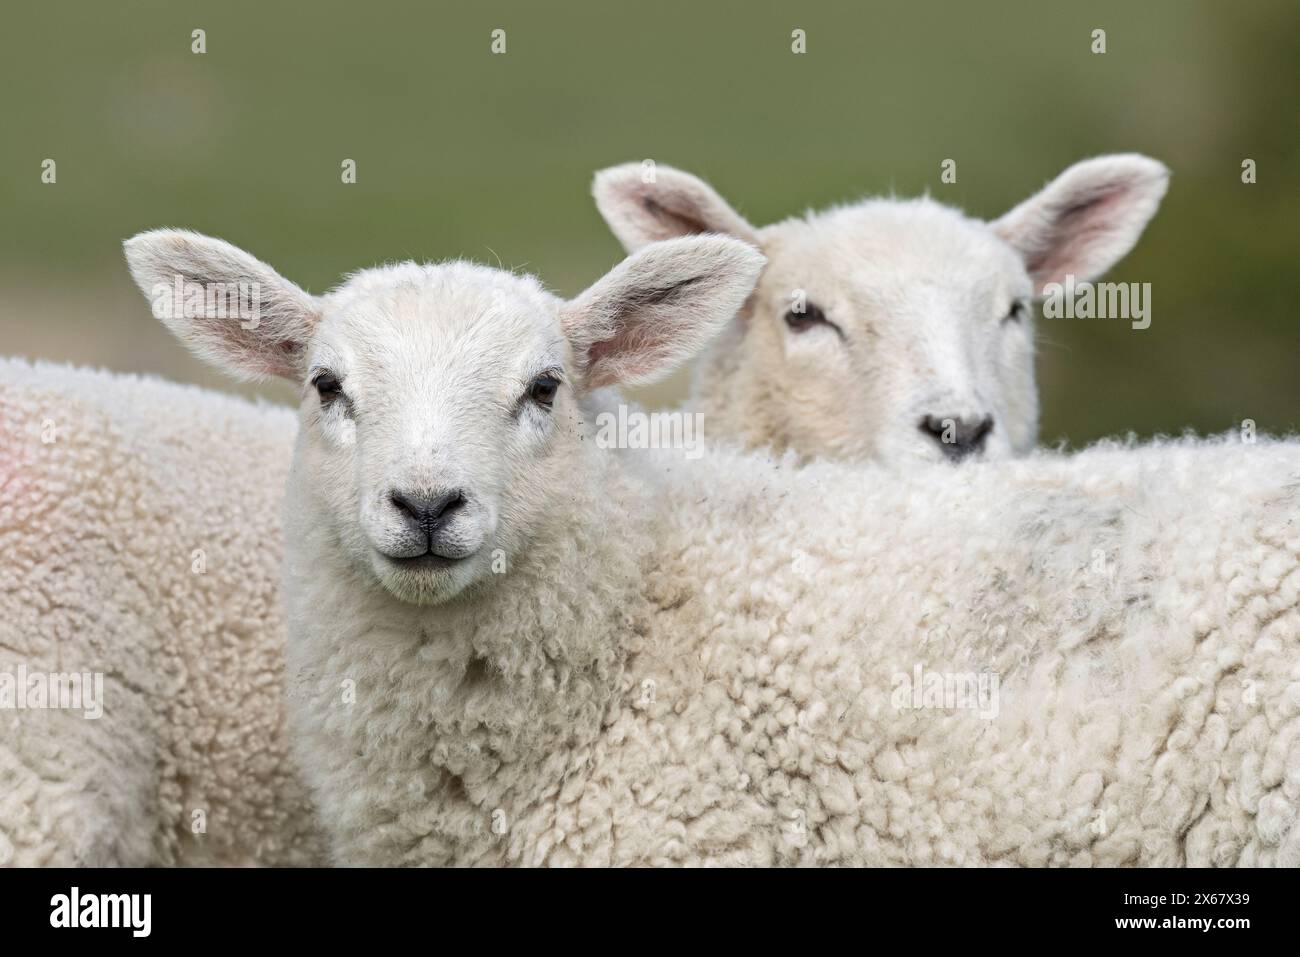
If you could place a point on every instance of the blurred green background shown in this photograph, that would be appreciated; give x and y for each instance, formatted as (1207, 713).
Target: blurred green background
(462, 153)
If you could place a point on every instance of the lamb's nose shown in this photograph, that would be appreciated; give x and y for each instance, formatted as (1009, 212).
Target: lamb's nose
(426, 511)
(957, 436)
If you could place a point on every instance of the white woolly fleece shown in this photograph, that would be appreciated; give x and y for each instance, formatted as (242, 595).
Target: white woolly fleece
(99, 530)
(700, 662)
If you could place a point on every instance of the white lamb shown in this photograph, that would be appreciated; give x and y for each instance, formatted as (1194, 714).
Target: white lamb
(140, 540)
(899, 330)
(516, 647)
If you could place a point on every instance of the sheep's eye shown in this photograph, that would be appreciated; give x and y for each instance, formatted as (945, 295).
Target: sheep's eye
(543, 389)
(803, 320)
(1017, 313)
(327, 386)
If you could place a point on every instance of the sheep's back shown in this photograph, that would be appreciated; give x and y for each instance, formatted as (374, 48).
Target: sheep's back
(141, 526)
(1137, 605)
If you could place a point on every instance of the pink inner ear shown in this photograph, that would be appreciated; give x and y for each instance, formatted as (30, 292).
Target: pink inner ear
(646, 332)
(666, 221)
(245, 350)
(599, 351)
(1079, 239)
(628, 354)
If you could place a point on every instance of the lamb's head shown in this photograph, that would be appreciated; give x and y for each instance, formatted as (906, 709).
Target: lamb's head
(443, 420)
(899, 330)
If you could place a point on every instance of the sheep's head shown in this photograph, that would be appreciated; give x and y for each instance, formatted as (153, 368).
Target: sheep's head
(442, 418)
(894, 330)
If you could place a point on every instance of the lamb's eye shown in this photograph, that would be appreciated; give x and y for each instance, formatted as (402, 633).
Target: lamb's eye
(1017, 311)
(543, 389)
(810, 316)
(327, 386)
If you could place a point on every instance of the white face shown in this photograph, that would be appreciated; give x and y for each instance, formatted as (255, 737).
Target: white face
(915, 339)
(442, 415)
(436, 419)
(894, 331)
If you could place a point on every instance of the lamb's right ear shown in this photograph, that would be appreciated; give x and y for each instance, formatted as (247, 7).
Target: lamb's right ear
(658, 308)
(229, 308)
(645, 203)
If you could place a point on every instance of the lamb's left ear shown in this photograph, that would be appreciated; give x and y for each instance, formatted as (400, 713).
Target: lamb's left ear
(658, 308)
(1086, 219)
(229, 308)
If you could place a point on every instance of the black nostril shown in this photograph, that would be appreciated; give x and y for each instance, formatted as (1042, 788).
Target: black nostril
(981, 431)
(958, 437)
(934, 426)
(426, 511)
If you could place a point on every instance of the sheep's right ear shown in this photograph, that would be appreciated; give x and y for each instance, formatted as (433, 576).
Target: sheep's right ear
(645, 203)
(229, 308)
(658, 308)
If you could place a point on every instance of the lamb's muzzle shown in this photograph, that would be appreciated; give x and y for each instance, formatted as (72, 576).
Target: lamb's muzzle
(427, 534)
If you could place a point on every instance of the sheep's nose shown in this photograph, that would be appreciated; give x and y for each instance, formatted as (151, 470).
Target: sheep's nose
(958, 437)
(426, 512)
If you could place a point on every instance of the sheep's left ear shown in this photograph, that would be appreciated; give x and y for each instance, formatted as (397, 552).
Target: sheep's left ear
(230, 308)
(646, 205)
(1087, 219)
(658, 308)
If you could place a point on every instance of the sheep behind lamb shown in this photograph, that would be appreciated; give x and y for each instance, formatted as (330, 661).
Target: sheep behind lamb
(896, 330)
(141, 541)
(516, 647)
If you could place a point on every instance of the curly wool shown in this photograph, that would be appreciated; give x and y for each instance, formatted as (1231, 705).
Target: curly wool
(1137, 603)
(705, 662)
(144, 542)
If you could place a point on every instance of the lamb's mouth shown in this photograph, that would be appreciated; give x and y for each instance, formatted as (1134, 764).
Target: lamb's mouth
(428, 561)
